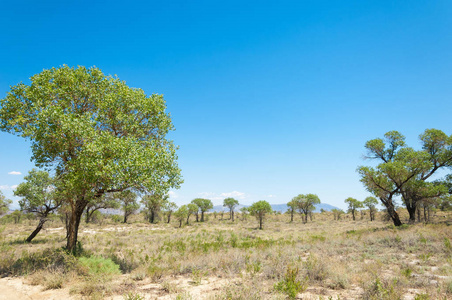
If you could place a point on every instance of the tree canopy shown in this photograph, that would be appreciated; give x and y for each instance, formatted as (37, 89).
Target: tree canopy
(259, 209)
(38, 195)
(403, 171)
(203, 205)
(353, 205)
(4, 203)
(230, 203)
(95, 132)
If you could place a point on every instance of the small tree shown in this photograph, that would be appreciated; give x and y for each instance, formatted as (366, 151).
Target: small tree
(168, 209)
(353, 205)
(192, 210)
(371, 204)
(337, 213)
(203, 205)
(244, 211)
(4, 204)
(230, 203)
(129, 203)
(181, 214)
(306, 204)
(259, 210)
(153, 204)
(292, 207)
(38, 196)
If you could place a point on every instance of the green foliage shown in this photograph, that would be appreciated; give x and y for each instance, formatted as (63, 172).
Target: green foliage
(99, 266)
(230, 203)
(4, 203)
(98, 134)
(203, 205)
(133, 296)
(181, 214)
(353, 205)
(305, 204)
(290, 285)
(404, 171)
(259, 210)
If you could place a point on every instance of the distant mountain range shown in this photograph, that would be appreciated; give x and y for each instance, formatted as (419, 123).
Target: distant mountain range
(276, 207)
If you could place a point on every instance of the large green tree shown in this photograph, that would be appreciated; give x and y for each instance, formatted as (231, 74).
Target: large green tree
(230, 203)
(95, 132)
(260, 209)
(403, 171)
(38, 196)
(203, 205)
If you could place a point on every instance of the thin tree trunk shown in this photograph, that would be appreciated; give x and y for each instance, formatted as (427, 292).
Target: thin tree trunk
(37, 230)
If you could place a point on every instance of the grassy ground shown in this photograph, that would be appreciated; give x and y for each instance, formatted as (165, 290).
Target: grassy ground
(218, 259)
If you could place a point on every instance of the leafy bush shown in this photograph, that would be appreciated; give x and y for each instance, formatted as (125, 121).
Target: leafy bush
(289, 285)
(97, 265)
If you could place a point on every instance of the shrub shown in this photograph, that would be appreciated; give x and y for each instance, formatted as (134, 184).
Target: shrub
(97, 265)
(289, 285)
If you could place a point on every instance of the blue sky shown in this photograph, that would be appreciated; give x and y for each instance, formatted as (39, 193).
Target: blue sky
(270, 99)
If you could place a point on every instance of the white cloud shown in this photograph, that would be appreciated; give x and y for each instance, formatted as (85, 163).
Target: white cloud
(234, 194)
(222, 196)
(271, 196)
(8, 187)
(14, 173)
(173, 195)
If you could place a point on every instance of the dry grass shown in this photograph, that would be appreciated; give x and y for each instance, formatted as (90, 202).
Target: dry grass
(219, 259)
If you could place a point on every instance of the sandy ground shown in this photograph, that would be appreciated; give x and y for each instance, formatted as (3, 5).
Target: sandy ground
(15, 288)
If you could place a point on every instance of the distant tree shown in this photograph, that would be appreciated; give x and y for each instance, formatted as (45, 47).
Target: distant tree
(153, 204)
(105, 201)
(353, 205)
(192, 210)
(17, 215)
(38, 196)
(371, 204)
(230, 203)
(181, 214)
(292, 207)
(4, 204)
(168, 209)
(203, 205)
(306, 204)
(337, 213)
(259, 210)
(129, 204)
(244, 211)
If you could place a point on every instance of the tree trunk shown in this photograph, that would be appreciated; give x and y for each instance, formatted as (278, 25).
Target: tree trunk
(412, 212)
(180, 223)
(291, 216)
(197, 217)
(202, 216)
(232, 214)
(125, 217)
(261, 221)
(419, 214)
(169, 217)
(74, 222)
(425, 214)
(152, 217)
(188, 217)
(88, 215)
(353, 214)
(37, 230)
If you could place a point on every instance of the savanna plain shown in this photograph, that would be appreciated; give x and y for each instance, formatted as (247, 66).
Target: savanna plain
(220, 259)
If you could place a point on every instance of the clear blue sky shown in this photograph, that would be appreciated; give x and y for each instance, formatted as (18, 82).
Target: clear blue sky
(270, 99)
